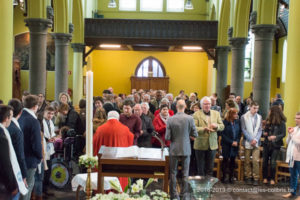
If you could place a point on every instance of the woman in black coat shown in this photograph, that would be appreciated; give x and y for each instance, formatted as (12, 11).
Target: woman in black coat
(274, 132)
(231, 136)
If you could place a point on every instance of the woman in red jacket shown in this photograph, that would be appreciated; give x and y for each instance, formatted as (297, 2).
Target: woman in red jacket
(164, 101)
(160, 124)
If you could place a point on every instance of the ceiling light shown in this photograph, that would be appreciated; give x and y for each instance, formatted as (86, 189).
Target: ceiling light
(189, 5)
(110, 45)
(112, 4)
(191, 47)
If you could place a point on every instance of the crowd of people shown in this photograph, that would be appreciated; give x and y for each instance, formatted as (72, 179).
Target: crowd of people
(194, 129)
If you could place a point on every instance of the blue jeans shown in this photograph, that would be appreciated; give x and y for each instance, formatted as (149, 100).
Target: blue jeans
(38, 185)
(30, 183)
(185, 162)
(294, 171)
(205, 162)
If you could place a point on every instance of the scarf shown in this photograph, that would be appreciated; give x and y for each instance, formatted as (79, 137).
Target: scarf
(164, 119)
(14, 163)
(291, 146)
(249, 127)
(48, 147)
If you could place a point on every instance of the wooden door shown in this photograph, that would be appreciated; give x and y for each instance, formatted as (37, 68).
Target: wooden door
(147, 83)
(16, 79)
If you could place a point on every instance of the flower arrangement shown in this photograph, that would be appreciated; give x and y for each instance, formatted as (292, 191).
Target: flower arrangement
(88, 161)
(135, 191)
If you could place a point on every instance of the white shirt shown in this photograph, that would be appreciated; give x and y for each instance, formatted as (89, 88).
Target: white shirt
(30, 112)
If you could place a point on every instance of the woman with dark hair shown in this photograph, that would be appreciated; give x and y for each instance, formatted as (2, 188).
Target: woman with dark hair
(230, 144)
(160, 124)
(274, 132)
(99, 114)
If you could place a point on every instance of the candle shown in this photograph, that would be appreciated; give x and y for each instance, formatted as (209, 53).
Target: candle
(89, 110)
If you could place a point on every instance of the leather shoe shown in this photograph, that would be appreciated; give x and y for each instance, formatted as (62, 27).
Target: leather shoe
(255, 183)
(248, 182)
(47, 193)
(288, 195)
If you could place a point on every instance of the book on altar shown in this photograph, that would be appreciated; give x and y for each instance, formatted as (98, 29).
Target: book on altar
(137, 152)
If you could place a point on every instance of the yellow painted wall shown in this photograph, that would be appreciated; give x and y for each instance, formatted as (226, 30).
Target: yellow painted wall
(198, 13)
(19, 24)
(186, 71)
(277, 68)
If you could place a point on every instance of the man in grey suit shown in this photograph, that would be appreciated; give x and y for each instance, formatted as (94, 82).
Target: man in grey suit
(179, 129)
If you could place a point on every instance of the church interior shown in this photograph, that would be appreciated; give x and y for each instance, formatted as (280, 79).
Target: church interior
(245, 47)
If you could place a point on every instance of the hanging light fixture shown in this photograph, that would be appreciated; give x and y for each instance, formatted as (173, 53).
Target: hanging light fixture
(189, 5)
(112, 4)
(15, 2)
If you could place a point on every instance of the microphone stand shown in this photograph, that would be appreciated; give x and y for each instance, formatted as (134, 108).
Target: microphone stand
(162, 144)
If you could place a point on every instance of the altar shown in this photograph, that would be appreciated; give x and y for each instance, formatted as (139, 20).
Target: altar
(109, 164)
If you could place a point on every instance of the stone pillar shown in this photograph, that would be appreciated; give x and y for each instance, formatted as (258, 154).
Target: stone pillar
(291, 91)
(238, 64)
(222, 60)
(6, 50)
(77, 72)
(37, 55)
(264, 34)
(61, 62)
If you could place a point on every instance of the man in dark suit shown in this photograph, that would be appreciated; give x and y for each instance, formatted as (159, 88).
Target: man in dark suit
(8, 183)
(16, 135)
(179, 129)
(31, 129)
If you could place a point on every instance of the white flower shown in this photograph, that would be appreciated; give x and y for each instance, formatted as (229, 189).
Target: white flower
(140, 183)
(135, 188)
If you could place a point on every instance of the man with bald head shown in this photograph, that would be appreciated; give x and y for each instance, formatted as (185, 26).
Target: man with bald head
(179, 129)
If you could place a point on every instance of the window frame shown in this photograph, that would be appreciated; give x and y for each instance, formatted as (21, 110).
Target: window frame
(162, 7)
(250, 42)
(151, 59)
(176, 11)
(135, 9)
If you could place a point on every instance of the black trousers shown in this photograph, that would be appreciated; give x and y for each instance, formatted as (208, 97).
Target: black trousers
(228, 166)
(47, 174)
(269, 154)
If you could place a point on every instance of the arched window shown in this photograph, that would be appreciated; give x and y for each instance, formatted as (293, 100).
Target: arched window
(284, 51)
(150, 67)
(249, 53)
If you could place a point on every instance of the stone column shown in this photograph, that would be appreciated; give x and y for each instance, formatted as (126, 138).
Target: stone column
(38, 52)
(238, 64)
(61, 62)
(264, 34)
(77, 72)
(222, 60)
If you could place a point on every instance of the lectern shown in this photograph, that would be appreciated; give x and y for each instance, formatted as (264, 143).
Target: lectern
(109, 164)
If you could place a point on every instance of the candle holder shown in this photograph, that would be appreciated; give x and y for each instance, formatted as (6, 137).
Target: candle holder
(88, 187)
(89, 163)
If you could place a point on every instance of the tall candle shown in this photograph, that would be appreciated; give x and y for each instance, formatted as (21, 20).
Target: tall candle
(89, 110)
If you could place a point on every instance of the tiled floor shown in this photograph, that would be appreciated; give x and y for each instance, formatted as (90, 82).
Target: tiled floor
(237, 191)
